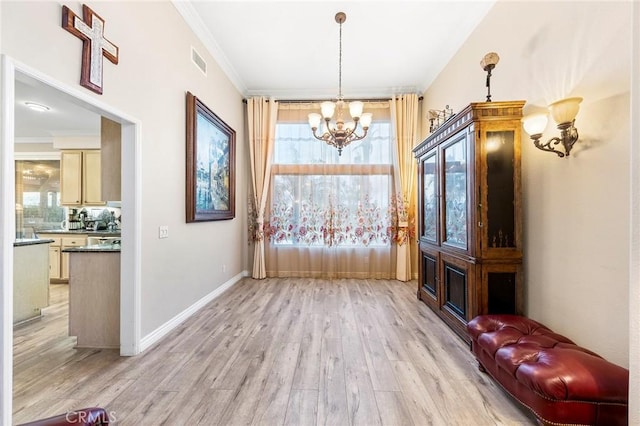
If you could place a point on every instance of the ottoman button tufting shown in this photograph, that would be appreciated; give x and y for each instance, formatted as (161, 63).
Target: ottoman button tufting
(559, 381)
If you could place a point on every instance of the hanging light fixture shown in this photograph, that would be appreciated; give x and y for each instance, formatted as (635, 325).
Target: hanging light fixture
(339, 133)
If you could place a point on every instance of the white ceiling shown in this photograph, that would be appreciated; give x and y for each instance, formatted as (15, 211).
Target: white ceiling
(64, 118)
(289, 49)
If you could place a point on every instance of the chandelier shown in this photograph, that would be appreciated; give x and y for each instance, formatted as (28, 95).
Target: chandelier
(338, 133)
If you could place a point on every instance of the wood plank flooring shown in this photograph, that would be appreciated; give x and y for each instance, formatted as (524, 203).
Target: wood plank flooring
(271, 352)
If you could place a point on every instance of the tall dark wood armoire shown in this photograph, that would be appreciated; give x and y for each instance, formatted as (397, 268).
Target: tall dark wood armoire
(470, 214)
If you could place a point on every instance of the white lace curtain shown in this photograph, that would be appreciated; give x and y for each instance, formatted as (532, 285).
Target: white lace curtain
(331, 216)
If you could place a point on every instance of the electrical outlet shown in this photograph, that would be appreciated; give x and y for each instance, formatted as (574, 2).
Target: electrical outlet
(224, 268)
(163, 231)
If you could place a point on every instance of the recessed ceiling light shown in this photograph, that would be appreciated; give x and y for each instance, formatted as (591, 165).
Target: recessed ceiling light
(37, 107)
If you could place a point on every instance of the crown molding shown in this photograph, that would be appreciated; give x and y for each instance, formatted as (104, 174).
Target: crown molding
(363, 93)
(193, 20)
(31, 139)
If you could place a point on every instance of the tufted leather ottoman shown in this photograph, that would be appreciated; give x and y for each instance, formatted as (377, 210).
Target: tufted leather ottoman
(560, 382)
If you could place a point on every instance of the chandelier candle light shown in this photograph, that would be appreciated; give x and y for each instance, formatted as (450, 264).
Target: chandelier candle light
(339, 133)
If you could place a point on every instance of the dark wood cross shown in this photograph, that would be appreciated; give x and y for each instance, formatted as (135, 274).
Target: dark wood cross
(91, 31)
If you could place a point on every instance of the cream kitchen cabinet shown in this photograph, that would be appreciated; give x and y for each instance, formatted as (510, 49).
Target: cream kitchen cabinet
(54, 262)
(59, 261)
(111, 158)
(80, 178)
(68, 242)
(54, 254)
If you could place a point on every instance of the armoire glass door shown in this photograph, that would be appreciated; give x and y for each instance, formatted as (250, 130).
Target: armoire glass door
(430, 199)
(455, 193)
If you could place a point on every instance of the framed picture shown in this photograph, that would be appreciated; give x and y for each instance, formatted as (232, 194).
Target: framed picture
(211, 173)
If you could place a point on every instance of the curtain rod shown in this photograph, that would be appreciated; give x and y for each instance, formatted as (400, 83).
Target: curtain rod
(307, 101)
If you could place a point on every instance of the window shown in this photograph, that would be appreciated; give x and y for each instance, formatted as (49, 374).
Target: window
(37, 196)
(319, 198)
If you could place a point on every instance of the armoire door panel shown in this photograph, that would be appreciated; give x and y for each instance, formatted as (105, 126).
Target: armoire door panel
(455, 290)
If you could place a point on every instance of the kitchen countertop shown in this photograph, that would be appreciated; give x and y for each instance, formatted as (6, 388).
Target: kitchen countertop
(96, 248)
(19, 242)
(100, 233)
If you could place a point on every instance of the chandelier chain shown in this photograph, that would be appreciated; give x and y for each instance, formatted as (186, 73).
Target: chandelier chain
(340, 133)
(340, 66)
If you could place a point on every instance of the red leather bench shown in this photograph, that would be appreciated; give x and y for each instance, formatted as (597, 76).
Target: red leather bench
(559, 381)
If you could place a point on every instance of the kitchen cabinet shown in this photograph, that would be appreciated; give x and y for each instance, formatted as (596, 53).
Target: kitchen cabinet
(80, 178)
(30, 279)
(54, 254)
(94, 299)
(111, 157)
(59, 261)
(470, 214)
(54, 262)
(68, 242)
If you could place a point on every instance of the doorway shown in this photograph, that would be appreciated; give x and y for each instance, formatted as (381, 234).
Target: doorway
(130, 276)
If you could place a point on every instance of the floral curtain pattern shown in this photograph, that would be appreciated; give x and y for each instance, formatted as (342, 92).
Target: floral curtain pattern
(402, 223)
(333, 224)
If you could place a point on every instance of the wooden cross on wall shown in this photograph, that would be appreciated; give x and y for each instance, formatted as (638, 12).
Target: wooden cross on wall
(90, 30)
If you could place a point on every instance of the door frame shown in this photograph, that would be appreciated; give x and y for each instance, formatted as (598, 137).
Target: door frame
(130, 271)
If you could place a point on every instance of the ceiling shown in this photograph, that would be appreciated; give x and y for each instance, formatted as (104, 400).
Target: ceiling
(63, 119)
(290, 50)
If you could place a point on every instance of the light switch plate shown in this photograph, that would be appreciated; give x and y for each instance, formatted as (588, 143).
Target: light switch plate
(163, 231)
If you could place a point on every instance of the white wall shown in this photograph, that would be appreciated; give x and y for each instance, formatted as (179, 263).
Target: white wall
(576, 210)
(149, 83)
(634, 282)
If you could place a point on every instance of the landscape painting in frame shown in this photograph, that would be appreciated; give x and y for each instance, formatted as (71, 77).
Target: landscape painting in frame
(210, 164)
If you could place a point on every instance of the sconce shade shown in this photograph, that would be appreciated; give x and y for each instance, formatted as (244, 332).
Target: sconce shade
(564, 113)
(490, 60)
(535, 124)
(565, 110)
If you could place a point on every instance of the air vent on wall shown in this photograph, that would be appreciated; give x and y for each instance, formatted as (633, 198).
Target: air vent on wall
(198, 61)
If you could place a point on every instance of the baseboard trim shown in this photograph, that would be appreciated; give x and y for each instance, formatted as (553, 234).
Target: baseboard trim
(157, 334)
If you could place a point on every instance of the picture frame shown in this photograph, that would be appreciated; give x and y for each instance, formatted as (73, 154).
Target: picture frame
(211, 146)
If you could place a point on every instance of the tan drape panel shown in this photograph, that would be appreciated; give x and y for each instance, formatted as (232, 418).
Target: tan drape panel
(404, 113)
(261, 120)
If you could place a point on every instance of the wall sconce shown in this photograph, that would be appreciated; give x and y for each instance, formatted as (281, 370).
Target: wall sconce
(564, 114)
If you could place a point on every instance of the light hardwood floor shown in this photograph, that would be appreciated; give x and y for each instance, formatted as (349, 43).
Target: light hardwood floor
(271, 352)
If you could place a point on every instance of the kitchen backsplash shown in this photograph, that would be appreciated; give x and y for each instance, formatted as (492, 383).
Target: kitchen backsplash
(92, 218)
